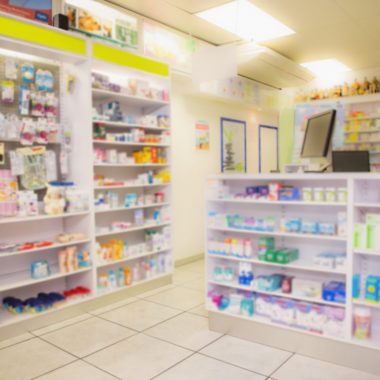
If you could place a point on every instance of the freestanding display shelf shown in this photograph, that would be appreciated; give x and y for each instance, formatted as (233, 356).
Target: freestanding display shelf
(241, 228)
(133, 222)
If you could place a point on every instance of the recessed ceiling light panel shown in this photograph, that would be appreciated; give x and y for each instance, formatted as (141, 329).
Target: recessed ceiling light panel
(326, 67)
(247, 21)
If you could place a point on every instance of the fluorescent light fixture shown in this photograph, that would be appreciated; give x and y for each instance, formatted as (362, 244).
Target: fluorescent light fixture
(27, 57)
(247, 21)
(326, 67)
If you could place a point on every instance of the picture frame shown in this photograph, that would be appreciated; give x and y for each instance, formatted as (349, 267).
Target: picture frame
(233, 145)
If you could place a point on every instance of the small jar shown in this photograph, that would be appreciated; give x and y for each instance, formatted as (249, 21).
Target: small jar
(307, 194)
(330, 194)
(342, 195)
(319, 194)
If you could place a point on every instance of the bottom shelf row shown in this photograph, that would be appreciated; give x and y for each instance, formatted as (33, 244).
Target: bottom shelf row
(307, 317)
(25, 303)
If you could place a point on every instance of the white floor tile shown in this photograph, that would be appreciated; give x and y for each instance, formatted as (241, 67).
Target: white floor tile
(59, 325)
(88, 336)
(77, 371)
(187, 330)
(197, 284)
(179, 298)
(113, 306)
(199, 310)
(140, 315)
(303, 368)
(196, 266)
(199, 367)
(181, 276)
(139, 357)
(15, 340)
(252, 356)
(156, 291)
(30, 359)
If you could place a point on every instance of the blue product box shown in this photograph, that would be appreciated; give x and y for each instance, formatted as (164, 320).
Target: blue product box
(334, 291)
(356, 286)
(289, 194)
(372, 288)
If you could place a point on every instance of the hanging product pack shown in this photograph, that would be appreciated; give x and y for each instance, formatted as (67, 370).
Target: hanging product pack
(34, 176)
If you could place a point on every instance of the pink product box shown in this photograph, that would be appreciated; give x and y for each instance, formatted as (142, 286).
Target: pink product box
(8, 193)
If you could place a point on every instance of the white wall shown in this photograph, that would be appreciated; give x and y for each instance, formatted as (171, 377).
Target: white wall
(191, 167)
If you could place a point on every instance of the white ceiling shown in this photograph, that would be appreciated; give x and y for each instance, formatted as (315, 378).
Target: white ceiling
(344, 29)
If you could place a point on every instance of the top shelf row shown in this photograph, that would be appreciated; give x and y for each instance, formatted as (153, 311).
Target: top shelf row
(135, 101)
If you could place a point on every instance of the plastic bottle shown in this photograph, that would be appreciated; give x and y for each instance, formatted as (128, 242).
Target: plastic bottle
(362, 319)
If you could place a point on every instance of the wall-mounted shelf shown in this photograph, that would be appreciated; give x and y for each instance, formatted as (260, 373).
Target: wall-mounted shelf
(134, 101)
(121, 125)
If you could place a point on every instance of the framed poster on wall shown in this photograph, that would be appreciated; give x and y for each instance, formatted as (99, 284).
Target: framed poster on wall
(202, 135)
(268, 149)
(233, 145)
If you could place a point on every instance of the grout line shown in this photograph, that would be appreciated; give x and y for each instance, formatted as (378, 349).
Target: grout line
(109, 346)
(171, 343)
(101, 369)
(85, 356)
(161, 291)
(118, 324)
(15, 344)
(210, 343)
(281, 365)
(55, 369)
(59, 328)
(73, 362)
(232, 364)
(172, 366)
(107, 311)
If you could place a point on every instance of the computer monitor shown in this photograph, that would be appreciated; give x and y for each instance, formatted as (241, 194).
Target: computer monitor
(351, 161)
(318, 134)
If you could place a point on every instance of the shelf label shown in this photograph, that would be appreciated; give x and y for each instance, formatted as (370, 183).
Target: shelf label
(47, 37)
(124, 58)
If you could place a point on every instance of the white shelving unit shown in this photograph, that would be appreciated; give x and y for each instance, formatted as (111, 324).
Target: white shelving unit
(76, 56)
(136, 107)
(363, 196)
(15, 272)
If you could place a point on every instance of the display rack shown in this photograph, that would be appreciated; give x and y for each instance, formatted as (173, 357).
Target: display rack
(74, 57)
(226, 195)
(15, 273)
(139, 108)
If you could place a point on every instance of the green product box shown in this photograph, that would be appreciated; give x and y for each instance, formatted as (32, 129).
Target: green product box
(373, 219)
(286, 256)
(373, 236)
(271, 256)
(360, 236)
(267, 242)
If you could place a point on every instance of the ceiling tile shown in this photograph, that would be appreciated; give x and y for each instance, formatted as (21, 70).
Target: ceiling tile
(164, 12)
(194, 6)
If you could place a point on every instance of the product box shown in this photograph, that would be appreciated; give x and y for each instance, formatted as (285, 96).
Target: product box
(373, 236)
(324, 260)
(286, 256)
(334, 291)
(289, 194)
(306, 288)
(373, 219)
(360, 236)
(283, 311)
(372, 288)
(342, 224)
(270, 256)
(274, 189)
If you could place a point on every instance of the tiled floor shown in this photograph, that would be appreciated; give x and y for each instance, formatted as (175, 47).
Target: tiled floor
(162, 334)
